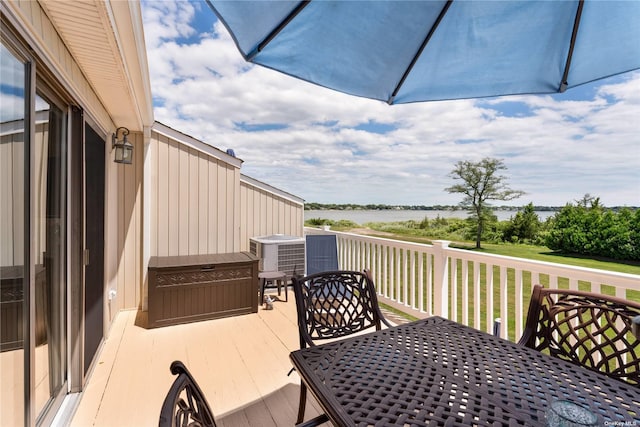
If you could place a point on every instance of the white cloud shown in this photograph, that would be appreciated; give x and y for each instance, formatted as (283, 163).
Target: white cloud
(556, 151)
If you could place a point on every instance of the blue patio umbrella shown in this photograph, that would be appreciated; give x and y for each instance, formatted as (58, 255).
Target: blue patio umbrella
(411, 51)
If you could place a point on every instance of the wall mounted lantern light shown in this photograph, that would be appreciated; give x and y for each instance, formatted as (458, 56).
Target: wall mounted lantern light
(124, 149)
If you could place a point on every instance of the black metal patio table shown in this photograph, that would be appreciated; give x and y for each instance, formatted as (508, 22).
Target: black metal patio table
(436, 372)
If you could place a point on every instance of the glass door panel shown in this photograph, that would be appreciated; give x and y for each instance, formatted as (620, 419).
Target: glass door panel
(12, 238)
(49, 239)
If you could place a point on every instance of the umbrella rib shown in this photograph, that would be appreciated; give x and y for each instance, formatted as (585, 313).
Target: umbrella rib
(277, 29)
(419, 52)
(574, 35)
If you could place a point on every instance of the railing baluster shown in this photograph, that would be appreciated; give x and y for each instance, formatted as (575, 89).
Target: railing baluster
(441, 279)
(454, 288)
(365, 253)
(465, 292)
(385, 263)
(573, 284)
(392, 268)
(379, 268)
(504, 302)
(429, 283)
(397, 278)
(519, 317)
(421, 282)
(406, 254)
(477, 304)
(412, 280)
(535, 279)
(489, 296)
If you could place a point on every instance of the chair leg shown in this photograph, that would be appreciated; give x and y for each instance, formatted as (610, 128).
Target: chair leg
(303, 402)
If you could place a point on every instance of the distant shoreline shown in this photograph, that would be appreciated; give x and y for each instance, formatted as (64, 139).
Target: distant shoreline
(363, 216)
(374, 207)
(312, 206)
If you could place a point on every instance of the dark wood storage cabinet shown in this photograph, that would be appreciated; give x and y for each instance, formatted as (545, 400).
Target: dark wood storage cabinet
(186, 289)
(12, 307)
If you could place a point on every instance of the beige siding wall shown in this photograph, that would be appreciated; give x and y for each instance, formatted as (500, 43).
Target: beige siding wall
(264, 213)
(11, 181)
(199, 204)
(194, 201)
(11, 214)
(124, 226)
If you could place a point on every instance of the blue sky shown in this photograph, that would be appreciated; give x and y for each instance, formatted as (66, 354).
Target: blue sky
(329, 147)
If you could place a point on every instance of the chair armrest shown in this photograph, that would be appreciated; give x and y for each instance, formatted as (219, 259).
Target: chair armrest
(526, 336)
(386, 322)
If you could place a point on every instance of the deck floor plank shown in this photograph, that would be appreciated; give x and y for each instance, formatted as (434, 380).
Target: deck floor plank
(241, 364)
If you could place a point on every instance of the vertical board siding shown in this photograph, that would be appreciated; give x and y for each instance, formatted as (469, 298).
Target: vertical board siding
(173, 195)
(12, 214)
(212, 214)
(12, 185)
(198, 205)
(182, 197)
(220, 205)
(203, 204)
(193, 200)
(265, 213)
(129, 249)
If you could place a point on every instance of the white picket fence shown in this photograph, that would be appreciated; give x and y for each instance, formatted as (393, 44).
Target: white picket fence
(425, 280)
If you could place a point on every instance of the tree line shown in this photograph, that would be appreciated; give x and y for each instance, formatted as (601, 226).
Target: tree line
(315, 206)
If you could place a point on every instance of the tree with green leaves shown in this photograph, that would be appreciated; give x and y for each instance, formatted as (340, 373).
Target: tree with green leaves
(480, 182)
(588, 228)
(523, 227)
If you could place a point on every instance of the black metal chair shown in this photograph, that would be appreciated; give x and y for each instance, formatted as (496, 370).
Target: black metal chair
(591, 330)
(185, 404)
(330, 305)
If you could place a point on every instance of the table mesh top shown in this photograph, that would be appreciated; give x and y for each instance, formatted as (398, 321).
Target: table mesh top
(435, 372)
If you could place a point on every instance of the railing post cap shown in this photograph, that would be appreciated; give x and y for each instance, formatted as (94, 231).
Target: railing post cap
(441, 243)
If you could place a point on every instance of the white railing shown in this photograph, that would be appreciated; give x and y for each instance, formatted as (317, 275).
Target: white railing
(469, 287)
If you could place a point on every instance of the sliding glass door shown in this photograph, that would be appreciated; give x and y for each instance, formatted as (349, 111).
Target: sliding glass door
(33, 244)
(50, 255)
(13, 241)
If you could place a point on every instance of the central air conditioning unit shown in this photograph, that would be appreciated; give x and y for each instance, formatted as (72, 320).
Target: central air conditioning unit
(279, 252)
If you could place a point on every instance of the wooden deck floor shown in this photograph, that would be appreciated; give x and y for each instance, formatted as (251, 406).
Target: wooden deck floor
(241, 364)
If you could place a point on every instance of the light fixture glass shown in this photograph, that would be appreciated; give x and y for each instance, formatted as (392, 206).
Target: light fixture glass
(124, 149)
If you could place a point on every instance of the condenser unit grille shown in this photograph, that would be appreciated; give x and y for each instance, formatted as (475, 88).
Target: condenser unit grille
(280, 253)
(291, 259)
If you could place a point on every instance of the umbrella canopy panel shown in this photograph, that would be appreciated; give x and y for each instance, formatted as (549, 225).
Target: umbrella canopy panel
(410, 51)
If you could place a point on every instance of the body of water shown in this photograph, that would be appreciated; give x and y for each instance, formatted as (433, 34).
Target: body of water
(363, 216)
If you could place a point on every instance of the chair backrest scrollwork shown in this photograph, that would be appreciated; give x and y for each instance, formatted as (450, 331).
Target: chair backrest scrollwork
(185, 404)
(588, 329)
(334, 304)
